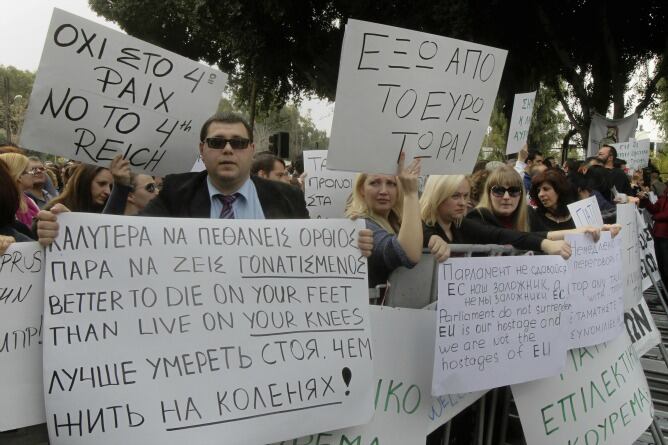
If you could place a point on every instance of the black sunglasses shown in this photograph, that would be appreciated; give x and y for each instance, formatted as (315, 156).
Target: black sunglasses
(499, 191)
(220, 143)
(151, 187)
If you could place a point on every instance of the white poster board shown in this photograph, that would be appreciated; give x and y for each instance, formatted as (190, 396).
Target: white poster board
(326, 191)
(596, 289)
(208, 328)
(21, 300)
(520, 122)
(586, 212)
(499, 321)
(635, 153)
(99, 93)
(403, 407)
(407, 91)
(626, 217)
(601, 398)
(641, 328)
(648, 263)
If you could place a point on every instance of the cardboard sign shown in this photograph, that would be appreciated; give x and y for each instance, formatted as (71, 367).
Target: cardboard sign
(596, 290)
(626, 217)
(586, 212)
(520, 122)
(21, 297)
(189, 330)
(499, 321)
(648, 263)
(403, 407)
(641, 328)
(99, 93)
(601, 398)
(635, 153)
(407, 91)
(326, 191)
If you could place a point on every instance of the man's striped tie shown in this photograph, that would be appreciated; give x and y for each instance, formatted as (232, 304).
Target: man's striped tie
(227, 211)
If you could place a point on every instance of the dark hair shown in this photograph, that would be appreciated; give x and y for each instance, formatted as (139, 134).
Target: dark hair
(9, 196)
(77, 196)
(613, 150)
(532, 155)
(225, 118)
(265, 161)
(566, 193)
(573, 165)
(598, 178)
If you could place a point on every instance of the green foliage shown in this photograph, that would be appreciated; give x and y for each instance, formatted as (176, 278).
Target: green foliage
(660, 113)
(20, 87)
(546, 122)
(496, 136)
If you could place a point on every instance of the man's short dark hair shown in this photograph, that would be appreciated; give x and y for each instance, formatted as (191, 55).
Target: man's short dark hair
(265, 161)
(532, 155)
(225, 118)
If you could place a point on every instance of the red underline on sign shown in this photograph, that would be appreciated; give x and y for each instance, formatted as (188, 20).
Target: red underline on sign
(306, 331)
(251, 417)
(308, 276)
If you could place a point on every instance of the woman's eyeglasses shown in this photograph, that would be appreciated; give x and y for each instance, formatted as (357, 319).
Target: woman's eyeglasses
(499, 191)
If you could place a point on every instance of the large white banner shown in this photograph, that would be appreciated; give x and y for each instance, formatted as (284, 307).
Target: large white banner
(635, 153)
(21, 300)
(596, 289)
(632, 275)
(648, 263)
(180, 331)
(407, 91)
(326, 190)
(499, 321)
(99, 93)
(601, 398)
(520, 122)
(610, 131)
(641, 328)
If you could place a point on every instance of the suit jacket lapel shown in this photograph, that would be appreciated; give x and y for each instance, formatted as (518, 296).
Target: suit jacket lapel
(200, 203)
(269, 201)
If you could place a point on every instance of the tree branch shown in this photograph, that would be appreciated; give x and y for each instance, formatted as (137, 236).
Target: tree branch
(661, 71)
(576, 122)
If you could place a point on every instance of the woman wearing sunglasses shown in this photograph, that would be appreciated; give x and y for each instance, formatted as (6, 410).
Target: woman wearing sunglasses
(444, 207)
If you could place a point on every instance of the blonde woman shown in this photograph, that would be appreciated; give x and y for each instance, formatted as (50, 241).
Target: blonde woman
(443, 208)
(389, 206)
(17, 165)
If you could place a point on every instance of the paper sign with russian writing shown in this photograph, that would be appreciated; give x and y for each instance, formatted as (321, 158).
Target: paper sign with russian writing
(601, 398)
(596, 289)
(586, 212)
(648, 263)
(21, 300)
(180, 331)
(520, 122)
(326, 191)
(632, 275)
(641, 328)
(635, 153)
(99, 93)
(403, 405)
(501, 320)
(401, 90)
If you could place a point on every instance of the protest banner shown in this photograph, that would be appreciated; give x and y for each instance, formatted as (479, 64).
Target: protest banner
(641, 328)
(596, 290)
(403, 407)
(401, 90)
(609, 131)
(586, 212)
(601, 398)
(520, 121)
(632, 276)
(445, 407)
(499, 321)
(326, 191)
(99, 93)
(21, 297)
(171, 331)
(635, 153)
(648, 263)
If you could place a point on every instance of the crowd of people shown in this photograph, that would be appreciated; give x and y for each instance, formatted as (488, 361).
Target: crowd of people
(522, 202)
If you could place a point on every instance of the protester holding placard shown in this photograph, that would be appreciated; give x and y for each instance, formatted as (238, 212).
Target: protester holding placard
(87, 190)
(389, 206)
(18, 167)
(443, 207)
(552, 193)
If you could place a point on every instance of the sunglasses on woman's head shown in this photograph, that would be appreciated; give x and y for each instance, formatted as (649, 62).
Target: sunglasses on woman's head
(499, 191)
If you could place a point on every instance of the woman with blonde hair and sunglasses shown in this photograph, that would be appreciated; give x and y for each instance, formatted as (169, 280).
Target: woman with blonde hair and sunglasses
(18, 166)
(389, 206)
(443, 207)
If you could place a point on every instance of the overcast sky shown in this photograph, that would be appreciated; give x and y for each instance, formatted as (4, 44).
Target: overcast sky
(24, 24)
